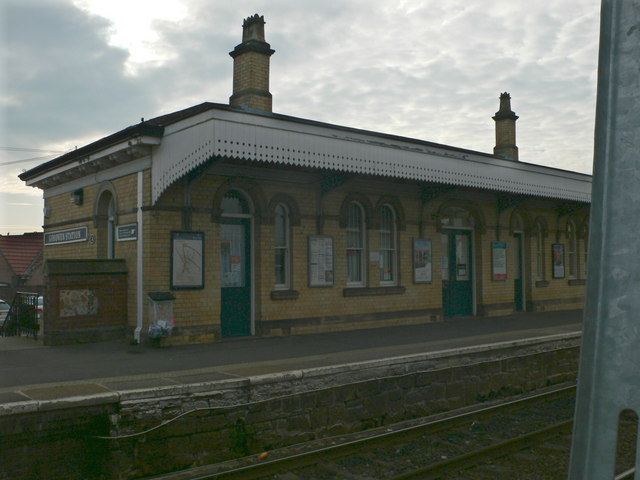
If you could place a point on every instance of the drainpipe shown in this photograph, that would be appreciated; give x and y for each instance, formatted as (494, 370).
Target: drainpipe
(140, 262)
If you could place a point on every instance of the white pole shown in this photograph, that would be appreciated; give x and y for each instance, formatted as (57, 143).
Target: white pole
(140, 262)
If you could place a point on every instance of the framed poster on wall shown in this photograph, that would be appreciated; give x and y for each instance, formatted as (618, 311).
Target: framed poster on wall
(321, 262)
(557, 254)
(422, 260)
(187, 260)
(499, 260)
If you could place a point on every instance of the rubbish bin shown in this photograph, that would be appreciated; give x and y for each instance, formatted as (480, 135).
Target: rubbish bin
(161, 319)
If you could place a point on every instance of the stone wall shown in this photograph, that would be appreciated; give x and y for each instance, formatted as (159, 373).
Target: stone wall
(196, 424)
(54, 439)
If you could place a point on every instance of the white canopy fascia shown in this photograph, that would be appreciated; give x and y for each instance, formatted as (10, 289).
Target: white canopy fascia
(270, 139)
(88, 164)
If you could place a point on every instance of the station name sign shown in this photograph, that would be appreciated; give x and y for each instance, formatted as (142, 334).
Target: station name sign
(70, 235)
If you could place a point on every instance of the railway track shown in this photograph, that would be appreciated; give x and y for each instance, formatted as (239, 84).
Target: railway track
(539, 455)
(433, 448)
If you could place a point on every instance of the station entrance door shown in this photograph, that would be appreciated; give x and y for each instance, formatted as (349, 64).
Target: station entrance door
(457, 273)
(518, 281)
(235, 267)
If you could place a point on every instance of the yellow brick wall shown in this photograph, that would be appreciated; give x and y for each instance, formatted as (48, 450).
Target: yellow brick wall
(251, 70)
(65, 215)
(199, 310)
(314, 302)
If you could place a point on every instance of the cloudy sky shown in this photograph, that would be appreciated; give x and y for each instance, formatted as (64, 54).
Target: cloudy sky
(73, 71)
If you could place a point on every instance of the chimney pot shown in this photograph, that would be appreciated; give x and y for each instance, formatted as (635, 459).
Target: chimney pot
(253, 28)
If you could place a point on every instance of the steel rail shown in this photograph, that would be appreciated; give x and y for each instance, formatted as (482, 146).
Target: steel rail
(626, 475)
(323, 454)
(491, 452)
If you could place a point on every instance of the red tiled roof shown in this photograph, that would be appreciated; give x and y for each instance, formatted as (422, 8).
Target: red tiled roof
(22, 251)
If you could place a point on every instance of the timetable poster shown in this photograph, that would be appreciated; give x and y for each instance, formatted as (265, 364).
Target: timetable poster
(320, 261)
(499, 254)
(422, 260)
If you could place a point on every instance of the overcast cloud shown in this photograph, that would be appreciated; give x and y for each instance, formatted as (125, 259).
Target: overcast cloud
(430, 69)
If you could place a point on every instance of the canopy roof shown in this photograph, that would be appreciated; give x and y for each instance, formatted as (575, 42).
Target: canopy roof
(176, 144)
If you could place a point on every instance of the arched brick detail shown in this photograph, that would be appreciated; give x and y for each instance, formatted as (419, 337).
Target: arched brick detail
(268, 216)
(527, 226)
(480, 223)
(364, 201)
(401, 223)
(544, 225)
(583, 227)
(101, 202)
(253, 193)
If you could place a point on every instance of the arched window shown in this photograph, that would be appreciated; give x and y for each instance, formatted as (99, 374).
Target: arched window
(539, 236)
(282, 250)
(572, 250)
(234, 203)
(583, 247)
(111, 229)
(234, 250)
(355, 245)
(517, 223)
(456, 217)
(388, 262)
(106, 223)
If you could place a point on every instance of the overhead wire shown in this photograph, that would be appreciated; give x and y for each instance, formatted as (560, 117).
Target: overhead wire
(51, 153)
(24, 160)
(23, 149)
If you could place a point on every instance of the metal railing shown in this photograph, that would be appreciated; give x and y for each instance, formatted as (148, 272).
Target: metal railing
(22, 318)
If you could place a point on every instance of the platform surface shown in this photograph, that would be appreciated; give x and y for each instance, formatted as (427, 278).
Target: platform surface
(31, 371)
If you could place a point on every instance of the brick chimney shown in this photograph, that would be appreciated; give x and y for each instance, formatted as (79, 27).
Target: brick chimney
(251, 67)
(505, 120)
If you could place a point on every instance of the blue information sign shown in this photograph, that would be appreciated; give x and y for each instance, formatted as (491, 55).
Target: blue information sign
(125, 233)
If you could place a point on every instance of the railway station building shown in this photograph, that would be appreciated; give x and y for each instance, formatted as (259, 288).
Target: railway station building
(224, 220)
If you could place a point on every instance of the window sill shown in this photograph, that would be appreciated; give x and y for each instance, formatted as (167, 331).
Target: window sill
(372, 291)
(284, 294)
(542, 283)
(577, 281)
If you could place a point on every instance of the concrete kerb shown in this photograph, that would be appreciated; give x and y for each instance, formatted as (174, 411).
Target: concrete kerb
(278, 377)
(334, 373)
(356, 371)
(79, 401)
(16, 408)
(31, 406)
(564, 339)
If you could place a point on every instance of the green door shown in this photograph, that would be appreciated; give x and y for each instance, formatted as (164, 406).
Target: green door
(457, 275)
(518, 287)
(235, 277)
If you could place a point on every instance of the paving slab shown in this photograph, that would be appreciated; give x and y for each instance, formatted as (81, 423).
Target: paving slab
(135, 384)
(64, 391)
(117, 366)
(12, 397)
(202, 377)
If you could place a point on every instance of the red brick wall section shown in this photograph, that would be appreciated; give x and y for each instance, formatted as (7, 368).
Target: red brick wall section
(98, 312)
